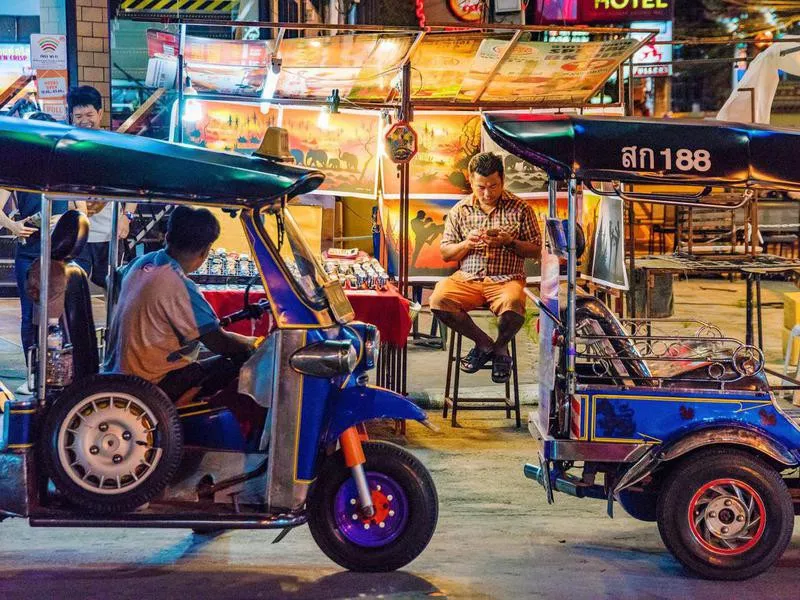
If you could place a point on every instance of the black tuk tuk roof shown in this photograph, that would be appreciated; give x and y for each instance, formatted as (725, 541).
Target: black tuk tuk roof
(661, 151)
(60, 159)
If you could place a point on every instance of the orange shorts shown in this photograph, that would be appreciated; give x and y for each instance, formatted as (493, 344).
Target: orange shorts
(455, 294)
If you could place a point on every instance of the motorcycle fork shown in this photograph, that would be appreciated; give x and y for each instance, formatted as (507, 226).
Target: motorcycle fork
(354, 458)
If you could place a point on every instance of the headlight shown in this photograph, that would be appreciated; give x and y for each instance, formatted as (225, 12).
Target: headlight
(372, 346)
(325, 359)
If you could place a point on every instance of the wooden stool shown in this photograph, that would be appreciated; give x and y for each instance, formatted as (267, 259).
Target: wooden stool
(507, 402)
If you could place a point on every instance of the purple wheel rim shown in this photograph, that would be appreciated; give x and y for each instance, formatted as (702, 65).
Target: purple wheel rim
(390, 519)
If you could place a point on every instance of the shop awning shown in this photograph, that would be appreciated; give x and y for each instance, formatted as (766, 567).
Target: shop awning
(466, 69)
(662, 151)
(56, 158)
(451, 70)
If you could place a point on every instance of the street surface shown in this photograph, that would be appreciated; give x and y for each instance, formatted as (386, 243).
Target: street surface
(497, 538)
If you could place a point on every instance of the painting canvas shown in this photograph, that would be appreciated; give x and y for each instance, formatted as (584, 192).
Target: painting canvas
(607, 253)
(225, 126)
(426, 224)
(521, 177)
(446, 143)
(345, 148)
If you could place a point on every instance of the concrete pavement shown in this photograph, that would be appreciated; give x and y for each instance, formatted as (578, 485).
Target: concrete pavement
(497, 537)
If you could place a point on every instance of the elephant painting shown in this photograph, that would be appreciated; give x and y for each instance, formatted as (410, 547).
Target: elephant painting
(333, 163)
(316, 158)
(299, 157)
(350, 160)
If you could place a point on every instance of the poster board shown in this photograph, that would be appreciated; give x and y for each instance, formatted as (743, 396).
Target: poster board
(445, 144)
(604, 260)
(345, 148)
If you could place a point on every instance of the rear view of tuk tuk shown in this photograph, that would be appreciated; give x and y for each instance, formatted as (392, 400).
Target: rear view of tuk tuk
(671, 419)
(112, 450)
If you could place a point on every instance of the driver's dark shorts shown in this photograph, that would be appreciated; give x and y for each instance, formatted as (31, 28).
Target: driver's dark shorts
(455, 294)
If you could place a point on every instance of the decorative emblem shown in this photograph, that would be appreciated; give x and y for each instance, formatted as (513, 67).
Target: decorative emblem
(401, 142)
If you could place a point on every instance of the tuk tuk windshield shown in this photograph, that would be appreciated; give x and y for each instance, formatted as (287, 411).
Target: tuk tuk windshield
(302, 264)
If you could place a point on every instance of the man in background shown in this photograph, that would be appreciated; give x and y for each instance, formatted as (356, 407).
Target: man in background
(85, 106)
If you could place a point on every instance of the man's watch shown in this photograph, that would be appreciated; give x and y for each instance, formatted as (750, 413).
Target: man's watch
(510, 245)
(130, 215)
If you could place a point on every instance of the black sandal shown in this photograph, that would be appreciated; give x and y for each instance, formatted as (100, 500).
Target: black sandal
(501, 368)
(475, 360)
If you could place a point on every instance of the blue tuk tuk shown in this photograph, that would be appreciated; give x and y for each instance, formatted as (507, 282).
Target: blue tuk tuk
(107, 450)
(684, 430)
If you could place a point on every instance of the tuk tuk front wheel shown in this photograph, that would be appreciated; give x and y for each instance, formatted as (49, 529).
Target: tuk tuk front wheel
(725, 514)
(111, 443)
(406, 510)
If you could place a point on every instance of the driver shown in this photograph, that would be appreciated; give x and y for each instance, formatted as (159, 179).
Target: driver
(161, 316)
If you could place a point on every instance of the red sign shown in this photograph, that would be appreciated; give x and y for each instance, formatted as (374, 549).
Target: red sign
(619, 11)
(469, 11)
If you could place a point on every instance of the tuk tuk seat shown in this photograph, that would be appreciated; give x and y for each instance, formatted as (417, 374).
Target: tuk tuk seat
(66, 243)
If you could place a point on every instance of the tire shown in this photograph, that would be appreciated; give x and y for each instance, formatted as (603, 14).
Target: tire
(640, 505)
(121, 467)
(409, 513)
(729, 481)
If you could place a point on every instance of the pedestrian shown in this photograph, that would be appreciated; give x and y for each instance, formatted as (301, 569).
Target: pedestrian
(85, 109)
(21, 218)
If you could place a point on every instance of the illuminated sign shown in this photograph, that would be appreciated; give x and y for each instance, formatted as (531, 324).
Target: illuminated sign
(618, 11)
(649, 59)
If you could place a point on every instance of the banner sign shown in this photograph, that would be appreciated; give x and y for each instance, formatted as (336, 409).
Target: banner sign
(49, 59)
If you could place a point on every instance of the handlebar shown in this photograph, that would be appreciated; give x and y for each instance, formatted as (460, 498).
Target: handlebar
(251, 311)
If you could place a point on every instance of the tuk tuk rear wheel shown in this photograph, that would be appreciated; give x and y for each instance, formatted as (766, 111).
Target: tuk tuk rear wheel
(111, 443)
(407, 509)
(725, 514)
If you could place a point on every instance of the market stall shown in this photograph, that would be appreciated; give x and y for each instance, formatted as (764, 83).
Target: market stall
(390, 115)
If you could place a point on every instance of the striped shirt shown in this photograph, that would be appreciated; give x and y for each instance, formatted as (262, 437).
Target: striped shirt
(498, 264)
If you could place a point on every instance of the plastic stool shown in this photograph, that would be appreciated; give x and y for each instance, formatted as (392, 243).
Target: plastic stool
(795, 333)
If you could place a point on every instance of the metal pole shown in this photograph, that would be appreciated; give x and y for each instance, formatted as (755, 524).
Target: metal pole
(572, 265)
(113, 259)
(552, 198)
(44, 283)
(181, 46)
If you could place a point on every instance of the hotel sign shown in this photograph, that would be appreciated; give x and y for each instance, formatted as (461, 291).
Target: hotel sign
(620, 11)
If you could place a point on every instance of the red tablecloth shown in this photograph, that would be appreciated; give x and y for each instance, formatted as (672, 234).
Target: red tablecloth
(388, 311)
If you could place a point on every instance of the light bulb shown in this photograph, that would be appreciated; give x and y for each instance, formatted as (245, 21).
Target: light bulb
(324, 118)
(193, 111)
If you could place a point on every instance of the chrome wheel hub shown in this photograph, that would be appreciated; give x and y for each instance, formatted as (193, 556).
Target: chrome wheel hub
(106, 443)
(727, 516)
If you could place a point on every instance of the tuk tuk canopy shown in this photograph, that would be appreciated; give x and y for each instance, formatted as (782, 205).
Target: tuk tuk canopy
(662, 151)
(59, 159)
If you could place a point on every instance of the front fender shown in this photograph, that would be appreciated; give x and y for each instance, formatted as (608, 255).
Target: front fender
(354, 405)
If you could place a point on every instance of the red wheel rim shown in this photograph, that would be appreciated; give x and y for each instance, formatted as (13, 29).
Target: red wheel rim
(727, 517)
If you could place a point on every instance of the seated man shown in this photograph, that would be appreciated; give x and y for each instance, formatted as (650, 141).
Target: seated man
(490, 234)
(161, 316)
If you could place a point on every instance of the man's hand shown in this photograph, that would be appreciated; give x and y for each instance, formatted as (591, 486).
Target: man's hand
(474, 239)
(502, 238)
(20, 230)
(124, 227)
